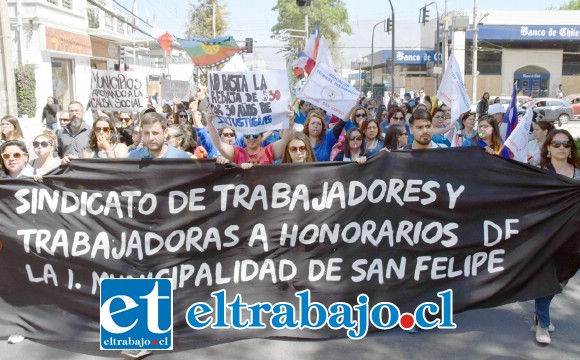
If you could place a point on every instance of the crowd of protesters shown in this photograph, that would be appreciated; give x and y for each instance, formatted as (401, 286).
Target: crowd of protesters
(183, 130)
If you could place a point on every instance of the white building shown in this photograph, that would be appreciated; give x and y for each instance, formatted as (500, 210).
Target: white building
(65, 39)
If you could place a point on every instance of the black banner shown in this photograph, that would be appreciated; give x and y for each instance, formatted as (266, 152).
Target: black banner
(399, 228)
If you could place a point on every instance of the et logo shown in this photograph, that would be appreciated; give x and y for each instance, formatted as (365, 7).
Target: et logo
(136, 314)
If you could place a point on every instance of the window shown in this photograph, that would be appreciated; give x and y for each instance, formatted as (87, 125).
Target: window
(53, 2)
(67, 4)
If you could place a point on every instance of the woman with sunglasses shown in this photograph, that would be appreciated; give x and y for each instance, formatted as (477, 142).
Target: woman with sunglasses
(298, 149)
(488, 137)
(359, 115)
(103, 142)
(226, 134)
(395, 138)
(44, 147)
(396, 116)
(354, 147)
(15, 160)
(253, 153)
(180, 117)
(560, 156)
(373, 140)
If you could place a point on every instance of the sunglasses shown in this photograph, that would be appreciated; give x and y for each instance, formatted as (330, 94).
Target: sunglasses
(229, 134)
(125, 118)
(183, 115)
(398, 117)
(103, 129)
(360, 115)
(356, 138)
(295, 149)
(557, 144)
(16, 155)
(252, 136)
(44, 144)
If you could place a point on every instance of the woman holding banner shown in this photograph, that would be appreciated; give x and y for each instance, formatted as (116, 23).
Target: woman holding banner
(298, 149)
(253, 153)
(44, 146)
(354, 147)
(15, 160)
(488, 137)
(560, 156)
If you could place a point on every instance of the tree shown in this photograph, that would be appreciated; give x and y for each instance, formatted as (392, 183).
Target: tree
(572, 5)
(200, 24)
(331, 15)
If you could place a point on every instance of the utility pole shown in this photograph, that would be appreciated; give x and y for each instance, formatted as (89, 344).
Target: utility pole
(8, 103)
(392, 50)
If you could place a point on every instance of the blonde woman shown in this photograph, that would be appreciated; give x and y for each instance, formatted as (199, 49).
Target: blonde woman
(44, 147)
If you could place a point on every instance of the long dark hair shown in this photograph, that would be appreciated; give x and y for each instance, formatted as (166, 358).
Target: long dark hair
(112, 133)
(392, 136)
(495, 135)
(363, 149)
(572, 159)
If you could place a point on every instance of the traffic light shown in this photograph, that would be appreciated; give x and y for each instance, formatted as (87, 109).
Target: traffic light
(389, 25)
(425, 16)
(300, 3)
(249, 45)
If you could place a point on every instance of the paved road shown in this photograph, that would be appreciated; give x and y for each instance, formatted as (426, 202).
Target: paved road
(573, 127)
(497, 333)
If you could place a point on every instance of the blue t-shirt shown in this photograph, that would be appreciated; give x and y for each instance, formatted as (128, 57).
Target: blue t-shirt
(171, 153)
(503, 153)
(322, 151)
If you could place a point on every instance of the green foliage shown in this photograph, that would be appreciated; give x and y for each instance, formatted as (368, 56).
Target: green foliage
(572, 5)
(577, 141)
(331, 15)
(25, 90)
(201, 19)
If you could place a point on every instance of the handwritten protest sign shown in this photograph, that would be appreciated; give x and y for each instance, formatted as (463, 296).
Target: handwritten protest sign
(251, 102)
(325, 89)
(174, 89)
(118, 91)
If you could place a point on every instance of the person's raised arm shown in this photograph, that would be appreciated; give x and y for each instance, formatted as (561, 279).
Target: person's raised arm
(337, 129)
(280, 145)
(226, 150)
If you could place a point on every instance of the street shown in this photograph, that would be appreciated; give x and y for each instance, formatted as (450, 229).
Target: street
(497, 333)
(573, 127)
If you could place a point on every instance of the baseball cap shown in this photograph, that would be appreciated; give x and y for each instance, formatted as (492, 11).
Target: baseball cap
(495, 109)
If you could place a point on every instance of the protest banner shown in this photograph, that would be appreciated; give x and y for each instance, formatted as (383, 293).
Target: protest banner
(174, 89)
(251, 102)
(267, 233)
(325, 89)
(118, 90)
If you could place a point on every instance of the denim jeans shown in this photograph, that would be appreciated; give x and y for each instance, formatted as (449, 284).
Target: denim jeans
(543, 310)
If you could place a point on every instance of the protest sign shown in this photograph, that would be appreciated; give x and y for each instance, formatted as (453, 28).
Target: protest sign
(325, 89)
(452, 89)
(266, 233)
(251, 102)
(174, 89)
(118, 91)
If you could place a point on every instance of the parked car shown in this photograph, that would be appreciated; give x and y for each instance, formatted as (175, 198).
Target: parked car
(504, 101)
(574, 101)
(551, 109)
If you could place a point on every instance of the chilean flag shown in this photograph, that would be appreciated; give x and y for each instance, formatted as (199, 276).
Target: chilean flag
(511, 115)
(307, 58)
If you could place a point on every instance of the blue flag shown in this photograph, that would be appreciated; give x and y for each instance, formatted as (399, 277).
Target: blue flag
(511, 115)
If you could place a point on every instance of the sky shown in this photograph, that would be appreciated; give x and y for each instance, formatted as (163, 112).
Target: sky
(255, 18)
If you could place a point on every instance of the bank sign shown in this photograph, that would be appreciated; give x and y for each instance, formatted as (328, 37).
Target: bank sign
(413, 57)
(527, 32)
